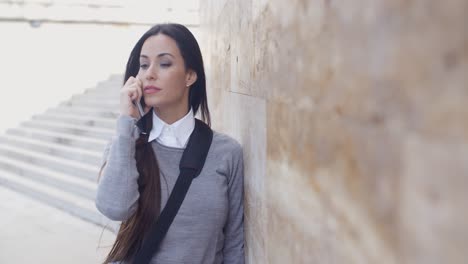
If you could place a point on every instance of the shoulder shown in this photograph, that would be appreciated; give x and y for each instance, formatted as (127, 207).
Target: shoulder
(225, 151)
(227, 154)
(223, 143)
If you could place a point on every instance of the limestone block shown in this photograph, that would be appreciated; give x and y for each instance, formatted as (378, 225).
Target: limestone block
(363, 103)
(244, 118)
(433, 208)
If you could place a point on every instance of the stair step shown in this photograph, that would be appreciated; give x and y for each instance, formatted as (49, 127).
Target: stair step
(112, 105)
(109, 83)
(53, 149)
(99, 94)
(55, 157)
(105, 88)
(99, 133)
(85, 111)
(84, 114)
(116, 78)
(55, 163)
(102, 93)
(97, 98)
(77, 120)
(80, 187)
(59, 138)
(68, 202)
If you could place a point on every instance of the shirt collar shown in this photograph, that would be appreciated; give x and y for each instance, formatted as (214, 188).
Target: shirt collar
(182, 128)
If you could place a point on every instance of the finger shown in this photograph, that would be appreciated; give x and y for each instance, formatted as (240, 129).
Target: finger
(130, 81)
(139, 80)
(132, 94)
(140, 91)
(137, 89)
(139, 83)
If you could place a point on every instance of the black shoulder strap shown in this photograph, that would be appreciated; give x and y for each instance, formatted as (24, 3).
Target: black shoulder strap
(191, 164)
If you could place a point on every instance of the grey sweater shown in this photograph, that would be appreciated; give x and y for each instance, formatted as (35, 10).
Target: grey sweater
(209, 225)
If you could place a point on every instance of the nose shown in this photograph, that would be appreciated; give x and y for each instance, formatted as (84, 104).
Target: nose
(150, 73)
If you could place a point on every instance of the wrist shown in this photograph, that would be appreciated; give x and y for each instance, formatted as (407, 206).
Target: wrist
(126, 125)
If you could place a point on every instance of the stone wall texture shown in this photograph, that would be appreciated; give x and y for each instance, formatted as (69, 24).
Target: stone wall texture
(354, 120)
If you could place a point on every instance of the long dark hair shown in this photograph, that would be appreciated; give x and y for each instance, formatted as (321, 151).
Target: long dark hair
(132, 231)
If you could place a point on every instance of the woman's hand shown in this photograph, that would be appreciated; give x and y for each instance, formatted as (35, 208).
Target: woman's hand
(131, 92)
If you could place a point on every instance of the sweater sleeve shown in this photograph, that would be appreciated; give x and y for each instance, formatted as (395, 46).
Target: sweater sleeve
(117, 192)
(234, 229)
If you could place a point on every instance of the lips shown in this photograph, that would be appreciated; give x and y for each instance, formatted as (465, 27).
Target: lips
(151, 89)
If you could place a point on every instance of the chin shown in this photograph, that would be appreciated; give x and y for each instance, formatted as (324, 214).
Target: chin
(153, 102)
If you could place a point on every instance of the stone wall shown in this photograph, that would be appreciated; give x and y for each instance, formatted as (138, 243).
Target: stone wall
(353, 120)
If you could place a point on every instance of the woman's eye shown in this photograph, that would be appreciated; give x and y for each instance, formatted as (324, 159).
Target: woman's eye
(143, 66)
(165, 65)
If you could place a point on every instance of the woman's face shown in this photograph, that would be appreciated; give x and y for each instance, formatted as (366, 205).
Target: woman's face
(162, 70)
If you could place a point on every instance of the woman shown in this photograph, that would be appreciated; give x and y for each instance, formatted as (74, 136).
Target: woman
(165, 73)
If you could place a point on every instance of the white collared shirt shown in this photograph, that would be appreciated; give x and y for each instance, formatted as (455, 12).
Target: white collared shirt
(175, 135)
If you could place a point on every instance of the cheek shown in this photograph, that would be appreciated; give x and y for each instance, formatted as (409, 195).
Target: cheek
(176, 81)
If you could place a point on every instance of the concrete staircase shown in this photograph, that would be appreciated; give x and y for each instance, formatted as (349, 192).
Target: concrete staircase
(55, 157)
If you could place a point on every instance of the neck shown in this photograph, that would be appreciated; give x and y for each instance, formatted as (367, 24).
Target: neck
(170, 116)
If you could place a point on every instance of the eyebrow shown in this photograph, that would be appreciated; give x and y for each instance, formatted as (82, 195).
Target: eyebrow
(159, 55)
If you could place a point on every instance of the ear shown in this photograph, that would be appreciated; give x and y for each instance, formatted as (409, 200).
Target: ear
(190, 77)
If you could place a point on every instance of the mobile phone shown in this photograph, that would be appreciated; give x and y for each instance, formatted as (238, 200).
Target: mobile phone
(140, 108)
(138, 103)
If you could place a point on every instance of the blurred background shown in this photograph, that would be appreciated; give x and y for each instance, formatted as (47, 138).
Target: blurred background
(50, 145)
(352, 116)
(53, 49)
